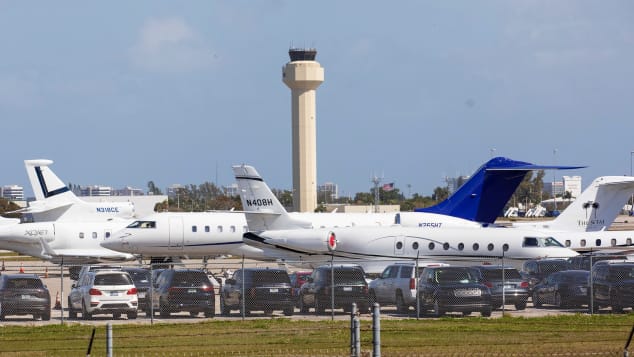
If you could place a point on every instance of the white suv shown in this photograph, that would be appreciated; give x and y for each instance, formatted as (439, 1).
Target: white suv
(103, 292)
(397, 285)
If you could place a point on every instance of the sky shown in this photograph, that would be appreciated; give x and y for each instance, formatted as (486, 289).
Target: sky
(120, 93)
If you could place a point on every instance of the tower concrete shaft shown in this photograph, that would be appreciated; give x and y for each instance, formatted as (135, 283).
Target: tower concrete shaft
(303, 75)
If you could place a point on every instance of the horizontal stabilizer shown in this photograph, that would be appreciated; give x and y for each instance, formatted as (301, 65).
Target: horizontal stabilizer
(483, 197)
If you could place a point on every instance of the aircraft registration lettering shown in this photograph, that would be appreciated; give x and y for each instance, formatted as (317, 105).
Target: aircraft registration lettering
(592, 222)
(260, 202)
(430, 224)
(35, 232)
(108, 209)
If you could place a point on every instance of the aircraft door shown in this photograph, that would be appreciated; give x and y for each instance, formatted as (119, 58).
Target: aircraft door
(176, 237)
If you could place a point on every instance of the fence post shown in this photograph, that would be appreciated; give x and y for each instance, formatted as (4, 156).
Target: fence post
(353, 314)
(109, 339)
(357, 336)
(376, 330)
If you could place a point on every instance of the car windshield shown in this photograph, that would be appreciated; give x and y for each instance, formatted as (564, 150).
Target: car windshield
(270, 276)
(113, 279)
(191, 278)
(496, 274)
(347, 276)
(140, 276)
(24, 283)
(621, 273)
(463, 276)
(554, 266)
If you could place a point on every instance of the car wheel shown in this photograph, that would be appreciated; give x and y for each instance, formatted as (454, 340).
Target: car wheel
(36, 317)
(320, 309)
(116, 315)
(520, 305)
(536, 302)
(84, 312)
(72, 313)
(289, 311)
(46, 316)
(400, 303)
(372, 297)
(302, 307)
(193, 313)
(224, 309)
(210, 313)
(163, 311)
(560, 304)
(486, 312)
(132, 315)
(466, 313)
(268, 312)
(437, 310)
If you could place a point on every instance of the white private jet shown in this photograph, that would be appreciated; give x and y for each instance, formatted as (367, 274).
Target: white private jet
(273, 229)
(208, 234)
(77, 228)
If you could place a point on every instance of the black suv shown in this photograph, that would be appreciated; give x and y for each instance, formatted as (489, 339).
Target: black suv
(349, 287)
(265, 289)
(141, 278)
(613, 285)
(22, 294)
(444, 289)
(535, 270)
(582, 262)
(511, 285)
(189, 290)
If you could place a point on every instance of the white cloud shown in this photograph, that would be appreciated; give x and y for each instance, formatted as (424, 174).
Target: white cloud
(170, 45)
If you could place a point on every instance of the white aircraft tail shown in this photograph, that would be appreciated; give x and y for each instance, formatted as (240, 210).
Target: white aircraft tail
(55, 201)
(263, 210)
(46, 185)
(597, 206)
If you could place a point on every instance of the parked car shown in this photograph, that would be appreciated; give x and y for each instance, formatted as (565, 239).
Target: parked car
(24, 294)
(535, 270)
(264, 289)
(298, 278)
(141, 278)
(566, 288)
(397, 285)
(103, 292)
(582, 262)
(349, 287)
(177, 290)
(449, 289)
(613, 285)
(504, 282)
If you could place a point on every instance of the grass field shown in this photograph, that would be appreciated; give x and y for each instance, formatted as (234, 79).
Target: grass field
(604, 335)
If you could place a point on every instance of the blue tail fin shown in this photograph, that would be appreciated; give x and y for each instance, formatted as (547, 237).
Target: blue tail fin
(483, 196)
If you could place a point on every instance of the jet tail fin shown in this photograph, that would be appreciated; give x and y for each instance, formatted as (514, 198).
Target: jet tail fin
(263, 210)
(597, 206)
(483, 197)
(46, 185)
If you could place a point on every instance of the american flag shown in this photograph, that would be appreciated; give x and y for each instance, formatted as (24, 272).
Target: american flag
(388, 186)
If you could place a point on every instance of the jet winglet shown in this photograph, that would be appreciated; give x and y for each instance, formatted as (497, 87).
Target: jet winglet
(484, 195)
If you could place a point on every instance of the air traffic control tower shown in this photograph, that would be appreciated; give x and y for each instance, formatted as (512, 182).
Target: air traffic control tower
(303, 75)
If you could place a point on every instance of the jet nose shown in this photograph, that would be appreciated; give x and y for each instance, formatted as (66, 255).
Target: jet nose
(119, 244)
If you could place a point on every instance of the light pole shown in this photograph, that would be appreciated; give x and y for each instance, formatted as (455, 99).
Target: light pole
(631, 198)
(553, 187)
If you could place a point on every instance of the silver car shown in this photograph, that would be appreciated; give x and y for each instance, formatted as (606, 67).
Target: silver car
(104, 292)
(397, 285)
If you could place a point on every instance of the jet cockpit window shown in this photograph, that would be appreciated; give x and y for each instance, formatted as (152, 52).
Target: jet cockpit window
(530, 242)
(142, 224)
(550, 242)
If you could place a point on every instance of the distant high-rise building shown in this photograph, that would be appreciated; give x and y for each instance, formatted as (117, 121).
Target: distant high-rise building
(328, 191)
(95, 190)
(12, 192)
(454, 183)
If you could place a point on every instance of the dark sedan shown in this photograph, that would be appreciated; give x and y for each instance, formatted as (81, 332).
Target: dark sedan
(568, 288)
(24, 294)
